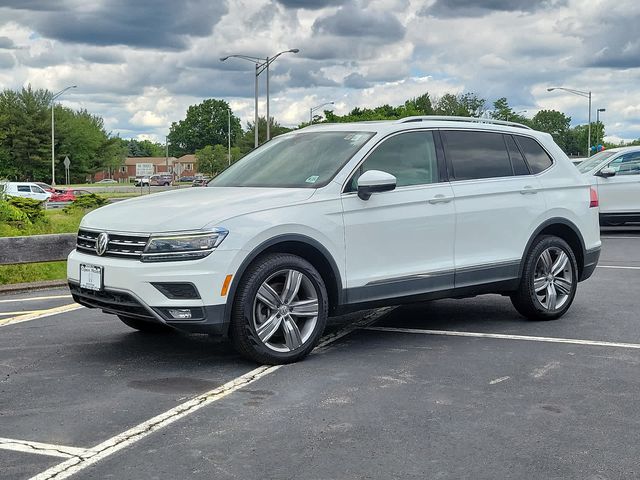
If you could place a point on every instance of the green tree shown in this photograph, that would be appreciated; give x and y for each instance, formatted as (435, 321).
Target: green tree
(502, 110)
(247, 141)
(80, 136)
(554, 122)
(422, 104)
(144, 148)
(461, 105)
(205, 124)
(212, 159)
(24, 117)
(25, 138)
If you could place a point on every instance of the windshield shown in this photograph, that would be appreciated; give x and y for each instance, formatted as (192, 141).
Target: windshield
(302, 160)
(592, 162)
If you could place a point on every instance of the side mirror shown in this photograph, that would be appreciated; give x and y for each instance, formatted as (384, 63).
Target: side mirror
(606, 172)
(373, 181)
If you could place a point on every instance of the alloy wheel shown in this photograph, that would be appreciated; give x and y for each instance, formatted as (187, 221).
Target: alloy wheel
(553, 280)
(285, 310)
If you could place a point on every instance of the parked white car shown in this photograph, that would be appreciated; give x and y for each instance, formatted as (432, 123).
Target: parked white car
(616, 175)
(27, 190)
(141, 182)
(336, 218)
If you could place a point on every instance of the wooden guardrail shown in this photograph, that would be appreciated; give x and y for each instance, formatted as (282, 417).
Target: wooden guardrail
(36, 248)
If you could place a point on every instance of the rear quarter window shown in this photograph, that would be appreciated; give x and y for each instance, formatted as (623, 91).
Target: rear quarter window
(537, 157)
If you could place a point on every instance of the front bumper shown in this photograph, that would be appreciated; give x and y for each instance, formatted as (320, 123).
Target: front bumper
(128, 289)
(128, 304)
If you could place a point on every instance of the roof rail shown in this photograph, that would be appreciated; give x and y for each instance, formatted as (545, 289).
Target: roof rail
(438, 118)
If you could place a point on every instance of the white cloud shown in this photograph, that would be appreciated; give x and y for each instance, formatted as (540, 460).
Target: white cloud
(143, 85)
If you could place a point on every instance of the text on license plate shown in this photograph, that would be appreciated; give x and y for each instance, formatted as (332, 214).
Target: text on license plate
(90, 277)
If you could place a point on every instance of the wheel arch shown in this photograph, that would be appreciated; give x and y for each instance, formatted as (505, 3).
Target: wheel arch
(305, 247)
(562, 228)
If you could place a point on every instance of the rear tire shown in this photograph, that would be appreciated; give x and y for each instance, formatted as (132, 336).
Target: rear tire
(279, 310)
(145, 326)
(549, 280)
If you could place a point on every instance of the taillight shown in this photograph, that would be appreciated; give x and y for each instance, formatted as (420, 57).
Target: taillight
(594, 198)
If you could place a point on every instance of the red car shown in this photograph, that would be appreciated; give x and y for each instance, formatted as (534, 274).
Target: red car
(67, 195)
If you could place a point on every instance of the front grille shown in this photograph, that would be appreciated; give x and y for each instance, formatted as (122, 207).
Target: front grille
(120, 245)
(120, 303)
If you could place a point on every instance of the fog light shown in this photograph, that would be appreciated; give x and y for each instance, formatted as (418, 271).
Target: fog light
(180, 313)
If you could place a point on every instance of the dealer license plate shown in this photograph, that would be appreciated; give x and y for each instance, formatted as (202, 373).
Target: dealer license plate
(90, 277)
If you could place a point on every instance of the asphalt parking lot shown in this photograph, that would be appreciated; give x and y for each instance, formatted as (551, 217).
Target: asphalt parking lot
(451, 389)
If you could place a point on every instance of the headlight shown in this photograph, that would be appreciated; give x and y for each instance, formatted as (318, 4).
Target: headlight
(184, 246)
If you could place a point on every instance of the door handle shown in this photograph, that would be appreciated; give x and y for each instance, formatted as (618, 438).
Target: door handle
(528, 190)
(440, 199)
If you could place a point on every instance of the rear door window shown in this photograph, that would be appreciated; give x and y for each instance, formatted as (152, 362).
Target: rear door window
(537, 158)
(24, 188)
(475, 155)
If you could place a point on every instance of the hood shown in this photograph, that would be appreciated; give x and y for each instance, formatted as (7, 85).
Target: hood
(189, 208)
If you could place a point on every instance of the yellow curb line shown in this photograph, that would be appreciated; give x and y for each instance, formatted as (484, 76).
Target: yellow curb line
(42, 314)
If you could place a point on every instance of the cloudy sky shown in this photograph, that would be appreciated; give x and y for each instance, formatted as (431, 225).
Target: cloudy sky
(141, 63)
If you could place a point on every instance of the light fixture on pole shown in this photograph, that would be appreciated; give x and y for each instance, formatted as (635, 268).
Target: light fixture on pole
(53, 135)
(580, 93)
(515, 114)
(598, 123)
(313, 109)
(261, 64)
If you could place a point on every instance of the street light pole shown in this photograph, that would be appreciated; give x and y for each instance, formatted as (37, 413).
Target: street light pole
(268, 122)
(229, 134)
(255, 108)
(53, 135)
(598, 122)
(580, 93)
(262, 64)
(313, 109)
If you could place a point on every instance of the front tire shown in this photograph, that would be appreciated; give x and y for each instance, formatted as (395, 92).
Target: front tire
(145, 326)
(549, 280)
(279, 311)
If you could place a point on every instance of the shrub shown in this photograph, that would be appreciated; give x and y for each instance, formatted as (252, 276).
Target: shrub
(31, 208)
(86, 202)
(12, 215)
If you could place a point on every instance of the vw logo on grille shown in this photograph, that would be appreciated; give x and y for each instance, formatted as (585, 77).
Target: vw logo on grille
(101, 243)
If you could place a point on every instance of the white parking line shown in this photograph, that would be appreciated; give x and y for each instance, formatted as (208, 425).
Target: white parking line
(502, 336)
(40, 448)
(621, 267)
(39, 314)
(93, 455)
(50, 297)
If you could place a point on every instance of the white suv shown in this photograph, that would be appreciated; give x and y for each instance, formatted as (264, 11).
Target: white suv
(616, 175)
(336, 218)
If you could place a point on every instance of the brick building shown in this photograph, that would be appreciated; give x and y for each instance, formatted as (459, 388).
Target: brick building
(143, 166)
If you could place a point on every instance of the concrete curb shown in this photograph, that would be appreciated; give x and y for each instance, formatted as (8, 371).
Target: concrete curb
(31, 286)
